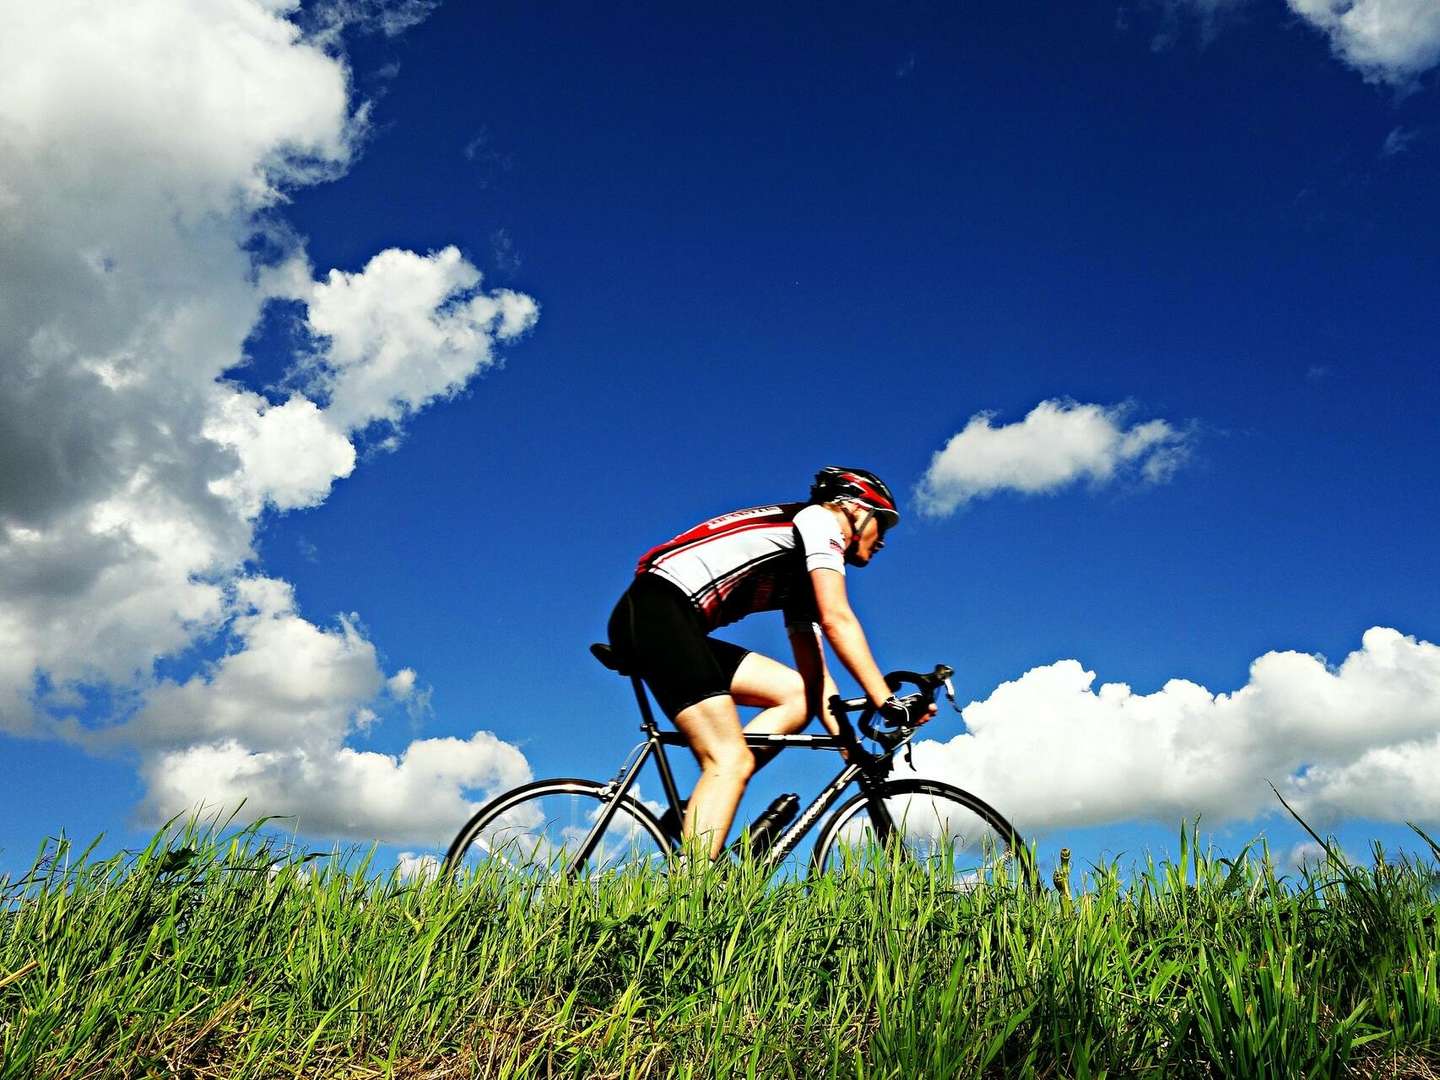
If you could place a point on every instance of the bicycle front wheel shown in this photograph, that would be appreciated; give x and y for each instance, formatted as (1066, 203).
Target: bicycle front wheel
(537, 830)
(933, 823)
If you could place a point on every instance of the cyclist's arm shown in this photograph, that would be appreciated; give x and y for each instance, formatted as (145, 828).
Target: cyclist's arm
(810, 662)
(842, 629)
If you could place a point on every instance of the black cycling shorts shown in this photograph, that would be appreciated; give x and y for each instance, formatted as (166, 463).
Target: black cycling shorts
(656, 631)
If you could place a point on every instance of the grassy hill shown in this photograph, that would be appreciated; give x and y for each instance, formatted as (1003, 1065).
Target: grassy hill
(208, 955)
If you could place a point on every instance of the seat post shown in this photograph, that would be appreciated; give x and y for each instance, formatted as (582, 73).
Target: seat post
(647, 722)
(662, 761)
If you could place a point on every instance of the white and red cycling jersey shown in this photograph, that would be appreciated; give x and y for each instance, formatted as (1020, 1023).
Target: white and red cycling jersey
(751, 560)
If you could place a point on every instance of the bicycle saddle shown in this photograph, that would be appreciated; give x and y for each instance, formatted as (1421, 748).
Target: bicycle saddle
(606, 655)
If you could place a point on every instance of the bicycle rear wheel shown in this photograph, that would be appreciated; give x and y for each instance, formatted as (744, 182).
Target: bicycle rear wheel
(934, 823)
(537, 829)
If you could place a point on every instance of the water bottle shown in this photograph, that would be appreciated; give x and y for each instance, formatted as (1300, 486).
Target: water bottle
(766, 828)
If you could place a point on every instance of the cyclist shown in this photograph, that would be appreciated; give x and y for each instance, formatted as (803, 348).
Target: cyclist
(789, 557)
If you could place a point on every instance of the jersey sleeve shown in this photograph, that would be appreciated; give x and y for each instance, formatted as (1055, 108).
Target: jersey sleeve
(822, 547)
(820, 539)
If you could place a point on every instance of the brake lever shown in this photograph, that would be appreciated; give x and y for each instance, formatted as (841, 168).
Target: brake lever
(950, 693)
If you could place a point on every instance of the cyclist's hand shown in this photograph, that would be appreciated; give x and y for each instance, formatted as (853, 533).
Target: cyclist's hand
(912, 710)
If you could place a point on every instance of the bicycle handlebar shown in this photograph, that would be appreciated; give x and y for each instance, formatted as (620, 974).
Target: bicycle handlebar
(927, 684)
(894, 680)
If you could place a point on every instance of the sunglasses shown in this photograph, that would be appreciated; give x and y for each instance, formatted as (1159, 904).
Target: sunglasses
(883, 526)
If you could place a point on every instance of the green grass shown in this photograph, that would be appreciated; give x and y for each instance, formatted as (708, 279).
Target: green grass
(214, 955)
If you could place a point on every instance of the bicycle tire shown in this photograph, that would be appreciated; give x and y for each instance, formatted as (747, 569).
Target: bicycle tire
(527, 830)
(949, 823)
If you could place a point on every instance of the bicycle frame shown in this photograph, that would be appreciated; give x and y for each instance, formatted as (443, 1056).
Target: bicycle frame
(866, 768)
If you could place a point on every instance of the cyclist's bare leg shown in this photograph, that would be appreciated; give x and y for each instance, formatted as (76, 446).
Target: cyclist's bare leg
(778, 690)
(712, 727)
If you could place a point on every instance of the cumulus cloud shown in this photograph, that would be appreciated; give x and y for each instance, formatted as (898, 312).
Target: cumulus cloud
(417, 867)
(1389, 41)
(415, 797)
(288, 683)
(402, 684)
(1305, 853)
(1058, 444)
(1361, 739)
(406, 330)
(289, 454)
(268, 725)
(145, 151)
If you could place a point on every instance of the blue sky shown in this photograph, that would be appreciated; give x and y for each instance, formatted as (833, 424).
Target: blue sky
(284, 513)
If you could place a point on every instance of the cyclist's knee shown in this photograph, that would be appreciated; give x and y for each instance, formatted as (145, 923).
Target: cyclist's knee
(795, 705)
(733, 760)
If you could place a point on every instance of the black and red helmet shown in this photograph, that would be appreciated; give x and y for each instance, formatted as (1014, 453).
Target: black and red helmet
(836, 484)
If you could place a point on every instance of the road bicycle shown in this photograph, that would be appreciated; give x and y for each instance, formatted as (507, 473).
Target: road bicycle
(581, 827)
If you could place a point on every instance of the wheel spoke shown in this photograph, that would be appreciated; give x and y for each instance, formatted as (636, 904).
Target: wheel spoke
(538, 833)
(934, 824)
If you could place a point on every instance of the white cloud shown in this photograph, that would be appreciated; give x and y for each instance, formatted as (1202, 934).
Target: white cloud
(406, 330)
(1307, 856)
(389, 17)
(137, 142)
(1392, 783)
(267, 725)
(1387, 41)
(1307, 852)
(1358, 740)
(288, 684)
(402, 684)
(416, 797)
(1059, 443)
(289, 454)
(142, 146)
(417, 867)
(1390, 41)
